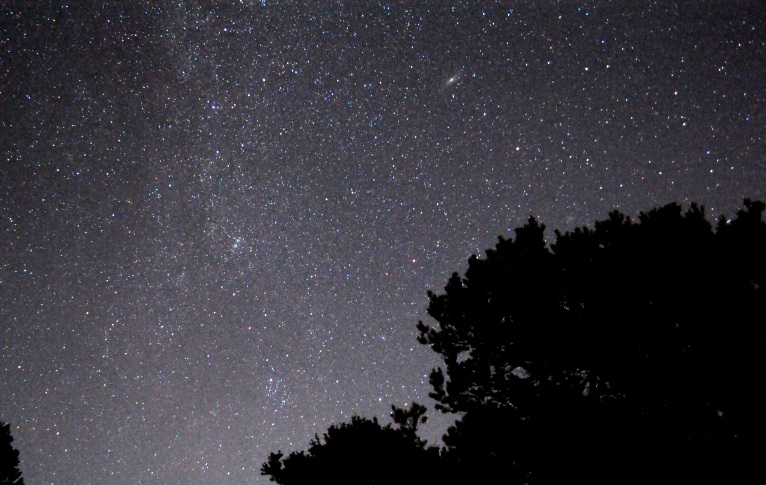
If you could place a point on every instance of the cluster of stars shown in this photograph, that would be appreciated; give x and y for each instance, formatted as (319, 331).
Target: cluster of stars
(219, 222)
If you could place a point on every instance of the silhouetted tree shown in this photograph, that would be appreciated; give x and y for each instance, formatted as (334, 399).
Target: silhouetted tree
(621, 354)
(625, 353)
(9, 458)
(361, 452)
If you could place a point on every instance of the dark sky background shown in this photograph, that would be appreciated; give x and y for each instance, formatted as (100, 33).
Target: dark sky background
(219, 223)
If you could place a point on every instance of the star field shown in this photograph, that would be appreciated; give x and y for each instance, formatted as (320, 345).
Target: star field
(219, 222)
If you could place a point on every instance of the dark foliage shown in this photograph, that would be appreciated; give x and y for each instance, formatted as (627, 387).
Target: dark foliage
(9, 458)
(621, 354)
(361, 452)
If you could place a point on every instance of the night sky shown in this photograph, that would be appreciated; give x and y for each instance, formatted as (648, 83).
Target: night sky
(219, 223)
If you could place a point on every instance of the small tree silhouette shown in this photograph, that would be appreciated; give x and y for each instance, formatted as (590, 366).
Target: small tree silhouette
(9, 458)
(360, 452)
